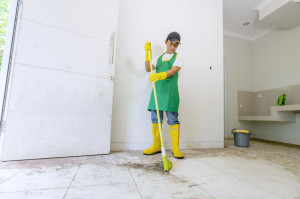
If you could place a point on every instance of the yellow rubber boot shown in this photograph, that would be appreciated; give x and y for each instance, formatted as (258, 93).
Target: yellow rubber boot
(156, 146)
(174, 133)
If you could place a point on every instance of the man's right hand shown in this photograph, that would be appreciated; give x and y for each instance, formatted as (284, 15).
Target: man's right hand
(147, 48)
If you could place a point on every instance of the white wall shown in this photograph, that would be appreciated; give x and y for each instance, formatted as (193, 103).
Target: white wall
(276, 59)
(201, 111)
(276, 64)
(238, 53)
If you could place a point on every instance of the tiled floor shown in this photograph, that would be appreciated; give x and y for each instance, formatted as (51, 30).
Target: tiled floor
(264, 170)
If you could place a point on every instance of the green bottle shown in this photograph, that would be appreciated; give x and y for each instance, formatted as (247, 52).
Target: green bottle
(281, 100)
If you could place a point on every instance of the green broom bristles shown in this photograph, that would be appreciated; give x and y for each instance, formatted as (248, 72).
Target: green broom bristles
(167, 164)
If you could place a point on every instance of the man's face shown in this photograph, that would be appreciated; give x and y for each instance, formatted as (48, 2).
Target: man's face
(171, 46)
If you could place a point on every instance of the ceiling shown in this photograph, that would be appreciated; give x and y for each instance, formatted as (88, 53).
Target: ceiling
(238, 12)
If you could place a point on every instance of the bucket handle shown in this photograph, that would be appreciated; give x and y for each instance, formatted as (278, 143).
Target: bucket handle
(235, 130)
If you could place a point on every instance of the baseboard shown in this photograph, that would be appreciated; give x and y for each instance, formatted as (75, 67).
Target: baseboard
(130, 146)
(279, 139)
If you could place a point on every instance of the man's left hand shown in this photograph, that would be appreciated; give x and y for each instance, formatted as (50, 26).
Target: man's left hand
(157, 76)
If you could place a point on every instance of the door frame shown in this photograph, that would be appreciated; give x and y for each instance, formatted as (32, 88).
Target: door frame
(225, 96)
(8, 59)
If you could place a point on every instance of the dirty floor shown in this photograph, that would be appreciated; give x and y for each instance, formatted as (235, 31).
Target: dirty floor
(264, 170)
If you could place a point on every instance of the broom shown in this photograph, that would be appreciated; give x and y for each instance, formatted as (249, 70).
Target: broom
(167, 163)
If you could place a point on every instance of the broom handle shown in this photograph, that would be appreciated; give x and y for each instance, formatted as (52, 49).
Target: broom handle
(156, 103)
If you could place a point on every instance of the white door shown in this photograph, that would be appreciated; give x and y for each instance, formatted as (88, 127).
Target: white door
(61, 81)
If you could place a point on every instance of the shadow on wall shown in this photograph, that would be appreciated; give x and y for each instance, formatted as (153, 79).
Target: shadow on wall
(158, 50)
(139, 71)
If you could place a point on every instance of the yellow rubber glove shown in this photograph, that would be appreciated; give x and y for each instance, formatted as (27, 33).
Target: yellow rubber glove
(157, 76)
(148, 47)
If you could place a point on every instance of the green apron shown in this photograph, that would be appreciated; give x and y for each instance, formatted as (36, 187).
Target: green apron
(167, 89)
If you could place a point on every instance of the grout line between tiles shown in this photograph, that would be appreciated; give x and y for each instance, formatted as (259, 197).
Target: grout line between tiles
(72, 181)
(234, 175)
(15, 173)
(134, 182)
(43, 189)
(199, 185)
(203, 189)
(207, 192)
(261, 188)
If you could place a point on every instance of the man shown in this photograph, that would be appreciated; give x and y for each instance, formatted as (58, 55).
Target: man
(166, 77)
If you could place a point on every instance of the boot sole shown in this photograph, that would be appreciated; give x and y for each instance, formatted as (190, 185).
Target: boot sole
(177, 157)
(152, 153)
